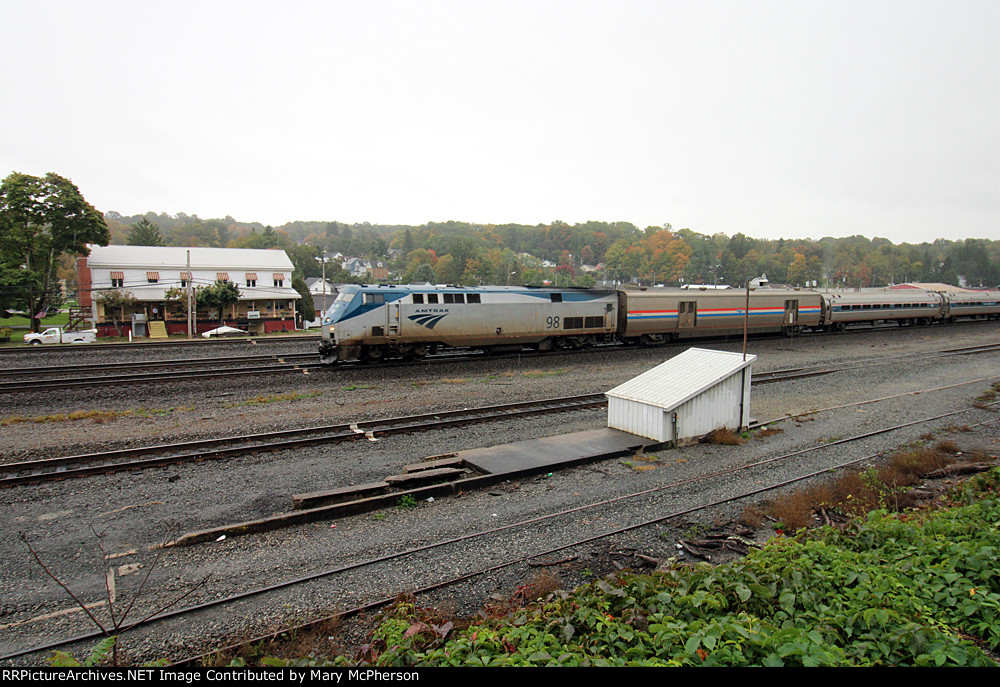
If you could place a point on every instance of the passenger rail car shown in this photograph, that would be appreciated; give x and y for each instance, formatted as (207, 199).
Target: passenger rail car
(372, 323)
(659, 315)
(902, 307)
(375, 322)
(973, 305)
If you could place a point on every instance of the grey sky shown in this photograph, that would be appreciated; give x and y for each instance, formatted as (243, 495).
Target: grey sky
(773, 118)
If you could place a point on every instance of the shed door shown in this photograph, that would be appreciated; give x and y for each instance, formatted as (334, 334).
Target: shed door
(791, 312)
(687, 314)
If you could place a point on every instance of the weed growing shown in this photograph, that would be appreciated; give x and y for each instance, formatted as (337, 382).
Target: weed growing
(275, 398)
(96, 416)
(724, 437)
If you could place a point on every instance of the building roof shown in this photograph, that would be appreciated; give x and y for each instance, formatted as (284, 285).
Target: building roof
(681, 378)
(176, 258)
(928, 286)
(170, 263)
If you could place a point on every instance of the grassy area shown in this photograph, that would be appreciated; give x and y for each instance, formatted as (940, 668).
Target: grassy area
(22, 325)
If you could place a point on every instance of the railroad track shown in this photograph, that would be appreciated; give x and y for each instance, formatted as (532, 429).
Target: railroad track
(49, 469)
(43, 350)
(41, 379)
(482, 564)
(28, 379)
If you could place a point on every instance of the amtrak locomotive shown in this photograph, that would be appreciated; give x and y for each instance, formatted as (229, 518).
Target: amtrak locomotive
(374, 323)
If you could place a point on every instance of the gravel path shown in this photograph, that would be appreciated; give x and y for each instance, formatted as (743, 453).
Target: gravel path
(134, 510)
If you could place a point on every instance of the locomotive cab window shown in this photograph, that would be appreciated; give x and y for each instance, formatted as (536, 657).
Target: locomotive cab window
(374, 298)
(556, 297)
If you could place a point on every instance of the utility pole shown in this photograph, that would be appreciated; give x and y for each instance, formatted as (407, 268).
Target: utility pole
(189, 318)
(746, 321)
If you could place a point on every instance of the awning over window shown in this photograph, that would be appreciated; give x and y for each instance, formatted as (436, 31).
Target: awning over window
(279, 276)
(222, 276)
(185, 275)
(153, 276)
(117, 275)
(251, 276)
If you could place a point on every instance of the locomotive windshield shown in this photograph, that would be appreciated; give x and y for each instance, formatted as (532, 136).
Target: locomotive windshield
(339, 307)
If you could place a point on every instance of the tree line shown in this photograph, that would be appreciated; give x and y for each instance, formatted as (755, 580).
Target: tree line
(557, 252)
(45, 222)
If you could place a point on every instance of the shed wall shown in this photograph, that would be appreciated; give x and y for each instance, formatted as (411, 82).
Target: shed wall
(718, 406)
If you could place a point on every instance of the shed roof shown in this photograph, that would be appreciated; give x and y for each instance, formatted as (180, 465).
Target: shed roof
(681, 378)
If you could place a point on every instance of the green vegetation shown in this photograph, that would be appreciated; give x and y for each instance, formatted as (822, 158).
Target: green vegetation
(20, 325)
(888, 589)
(469, 253)
(42, 221)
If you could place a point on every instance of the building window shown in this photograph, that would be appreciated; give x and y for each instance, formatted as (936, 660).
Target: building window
(279, 279)
(251, 282)
(117, 282)
(279, 282)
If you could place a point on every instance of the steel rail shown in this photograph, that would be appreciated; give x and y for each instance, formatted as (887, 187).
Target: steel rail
(518, 525)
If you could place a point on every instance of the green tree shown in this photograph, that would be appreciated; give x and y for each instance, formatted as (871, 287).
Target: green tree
(115, 302)
(145, 233)
(424, 273)
(218, 296)
(306, 309)
(42, 219)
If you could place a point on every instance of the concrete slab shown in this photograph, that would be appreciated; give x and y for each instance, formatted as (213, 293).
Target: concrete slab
(554, 453)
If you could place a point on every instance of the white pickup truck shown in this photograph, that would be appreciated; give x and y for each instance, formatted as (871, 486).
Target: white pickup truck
(57, 335)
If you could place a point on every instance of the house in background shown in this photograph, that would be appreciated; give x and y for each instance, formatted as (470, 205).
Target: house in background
(267, 300)
(322, 297)
(375, 270)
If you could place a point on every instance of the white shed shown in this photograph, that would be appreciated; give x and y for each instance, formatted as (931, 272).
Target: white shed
(686, 397)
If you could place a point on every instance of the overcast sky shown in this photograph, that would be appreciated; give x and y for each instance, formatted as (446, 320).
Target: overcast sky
(771, 118)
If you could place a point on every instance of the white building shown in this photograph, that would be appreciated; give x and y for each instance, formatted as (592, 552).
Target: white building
(148, 273)
(323, 296)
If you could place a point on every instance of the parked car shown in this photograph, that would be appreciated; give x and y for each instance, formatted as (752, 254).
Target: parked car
(224, 331)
